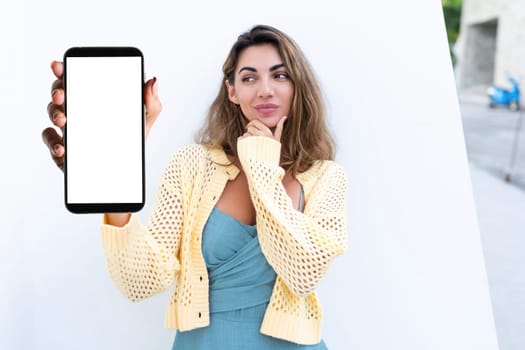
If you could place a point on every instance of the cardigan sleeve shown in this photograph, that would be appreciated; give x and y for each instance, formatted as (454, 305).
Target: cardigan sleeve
(142, 260)
(299, 246)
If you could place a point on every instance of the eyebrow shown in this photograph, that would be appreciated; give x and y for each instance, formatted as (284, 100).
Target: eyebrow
(272, 68)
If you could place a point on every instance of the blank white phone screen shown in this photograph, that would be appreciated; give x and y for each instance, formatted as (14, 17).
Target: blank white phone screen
(104, 130)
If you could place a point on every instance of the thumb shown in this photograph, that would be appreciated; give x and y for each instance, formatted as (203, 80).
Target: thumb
(152, 102)
(279, 129)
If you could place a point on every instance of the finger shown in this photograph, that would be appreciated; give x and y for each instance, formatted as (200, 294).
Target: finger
(51, 140)
(151, 98)
(279, 129)
(57, 88)
(57, 96)
(152, 101)
(54, 143)
(56, 115)
(254, 131)
(57, 68)
(57, 84)
(259, 128)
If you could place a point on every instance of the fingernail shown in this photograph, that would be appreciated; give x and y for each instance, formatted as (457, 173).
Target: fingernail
(155, 86)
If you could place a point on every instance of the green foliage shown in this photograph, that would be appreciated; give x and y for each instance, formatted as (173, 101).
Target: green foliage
(452, 3)
(452, 14)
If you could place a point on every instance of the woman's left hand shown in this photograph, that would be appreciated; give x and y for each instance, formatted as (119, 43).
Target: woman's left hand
(257, 128)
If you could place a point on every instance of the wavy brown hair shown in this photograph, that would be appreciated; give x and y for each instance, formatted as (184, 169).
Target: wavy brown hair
(305, 137)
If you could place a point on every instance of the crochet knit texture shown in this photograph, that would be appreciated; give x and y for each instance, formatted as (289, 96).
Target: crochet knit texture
(145, 260)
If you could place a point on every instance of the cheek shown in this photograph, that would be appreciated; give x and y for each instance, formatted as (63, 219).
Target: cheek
(244, 97)
(289, 96)
(245, 101)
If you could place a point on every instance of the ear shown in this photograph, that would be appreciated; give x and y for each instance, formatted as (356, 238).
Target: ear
(231, 92)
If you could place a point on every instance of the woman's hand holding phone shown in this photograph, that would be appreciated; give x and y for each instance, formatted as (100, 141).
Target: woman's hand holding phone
(55, 109)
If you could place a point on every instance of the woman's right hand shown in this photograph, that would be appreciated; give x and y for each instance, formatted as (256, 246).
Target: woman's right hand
(55, 110)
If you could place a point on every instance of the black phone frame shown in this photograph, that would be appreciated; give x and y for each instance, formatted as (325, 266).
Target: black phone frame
(102, 51)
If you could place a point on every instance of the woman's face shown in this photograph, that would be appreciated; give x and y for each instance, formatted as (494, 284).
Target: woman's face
(262, 87)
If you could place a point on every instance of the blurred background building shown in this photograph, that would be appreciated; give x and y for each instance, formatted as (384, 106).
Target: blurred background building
(487, 44)
(491, 43)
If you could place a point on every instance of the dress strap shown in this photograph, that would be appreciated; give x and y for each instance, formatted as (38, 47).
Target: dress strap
(301, 195)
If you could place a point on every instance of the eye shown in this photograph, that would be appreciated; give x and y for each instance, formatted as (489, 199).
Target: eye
(281, 76)
(248, 79)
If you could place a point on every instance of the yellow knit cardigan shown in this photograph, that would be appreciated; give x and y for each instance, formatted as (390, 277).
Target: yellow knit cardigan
(145, 260)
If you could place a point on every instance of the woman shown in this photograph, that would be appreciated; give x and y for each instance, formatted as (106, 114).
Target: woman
(247, 220)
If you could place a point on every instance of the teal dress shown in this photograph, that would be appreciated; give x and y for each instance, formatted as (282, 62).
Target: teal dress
(241, 283)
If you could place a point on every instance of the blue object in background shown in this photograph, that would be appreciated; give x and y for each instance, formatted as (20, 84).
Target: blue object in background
(499, 96)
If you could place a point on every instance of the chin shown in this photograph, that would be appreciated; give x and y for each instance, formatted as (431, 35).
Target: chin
(269, 121)
(270, 124)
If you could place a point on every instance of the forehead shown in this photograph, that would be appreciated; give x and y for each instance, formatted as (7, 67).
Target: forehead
(259, 56)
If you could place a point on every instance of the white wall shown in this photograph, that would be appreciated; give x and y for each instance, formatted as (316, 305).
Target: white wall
(413, 276)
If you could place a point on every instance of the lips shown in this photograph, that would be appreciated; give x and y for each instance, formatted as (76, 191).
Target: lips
(266, 108)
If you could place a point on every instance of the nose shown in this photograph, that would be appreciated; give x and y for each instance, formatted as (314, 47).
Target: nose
(265, 88)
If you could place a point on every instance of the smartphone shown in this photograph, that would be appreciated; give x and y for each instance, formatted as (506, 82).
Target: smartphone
(105, 129)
